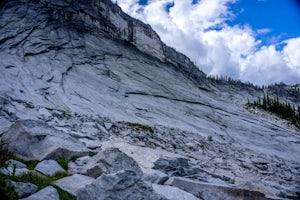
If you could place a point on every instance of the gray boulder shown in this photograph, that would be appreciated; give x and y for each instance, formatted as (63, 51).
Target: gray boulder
(119, 186)
(23, 189)
(48, 193)
(154, 176)
(73, 183)
(209, 191)
(49, 167)
(174, 166)
(35, 140)
(77, 166)
(109, 161)
(173, 193)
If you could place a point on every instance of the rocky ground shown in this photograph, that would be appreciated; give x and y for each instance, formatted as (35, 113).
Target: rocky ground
(132, 118)
(123, 160)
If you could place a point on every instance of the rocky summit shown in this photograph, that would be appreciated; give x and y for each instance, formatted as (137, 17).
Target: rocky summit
(91, 93)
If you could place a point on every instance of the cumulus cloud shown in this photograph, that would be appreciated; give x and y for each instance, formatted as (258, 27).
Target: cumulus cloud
(200, 31)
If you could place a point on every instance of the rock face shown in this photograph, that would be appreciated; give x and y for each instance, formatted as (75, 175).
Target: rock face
(84, 81)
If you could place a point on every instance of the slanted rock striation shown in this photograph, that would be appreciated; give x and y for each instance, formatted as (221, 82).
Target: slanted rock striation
(83, 81)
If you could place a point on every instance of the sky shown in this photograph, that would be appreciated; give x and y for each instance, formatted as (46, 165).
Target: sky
(251, 40)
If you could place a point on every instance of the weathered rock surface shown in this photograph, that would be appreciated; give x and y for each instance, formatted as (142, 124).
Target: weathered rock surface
(49, 167)
(48, 193)
(23, 189)
(121, 185)
(72, 184)
(35, 140)
(77, 76)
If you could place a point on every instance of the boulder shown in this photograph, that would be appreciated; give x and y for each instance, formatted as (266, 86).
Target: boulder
(48, 193)
(108, 125)
(49, 167)
(23, 189)
(109, 161)
(72, 184)
(36, 140)
(77, 166)
(209, 191)
(124, 184)
(154, 176)
(176, 166)
(173, 193)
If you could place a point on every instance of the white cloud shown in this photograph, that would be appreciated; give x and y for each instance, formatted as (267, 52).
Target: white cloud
(200, 31)
(291, 53)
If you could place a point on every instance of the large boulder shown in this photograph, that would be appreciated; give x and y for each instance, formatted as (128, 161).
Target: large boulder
(110, 160)
(49, 167)
(124, 184)
(173, 166)
(36, 140)
(209, 191)
(72, 184)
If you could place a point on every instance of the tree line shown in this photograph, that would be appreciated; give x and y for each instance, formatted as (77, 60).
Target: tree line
(283, 109)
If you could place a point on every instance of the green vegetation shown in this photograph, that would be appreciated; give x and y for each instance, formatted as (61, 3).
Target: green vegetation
(297, 196)
(74, 158)
(29, 163)
(32, 177)
(63, 195)
(283, 110)
(5, 155)
(226, 79)
(6, 192)
(63, 163)
(139, 127)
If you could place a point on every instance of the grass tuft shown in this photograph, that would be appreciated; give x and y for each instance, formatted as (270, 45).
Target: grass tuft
(63, 163)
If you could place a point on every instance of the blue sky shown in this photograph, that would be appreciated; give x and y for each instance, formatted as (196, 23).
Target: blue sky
(251, 40)
(282, 17)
